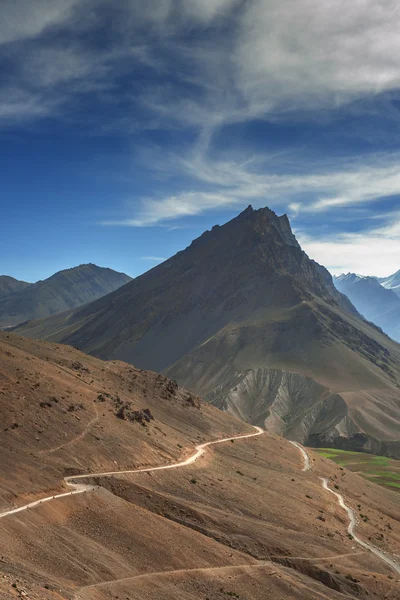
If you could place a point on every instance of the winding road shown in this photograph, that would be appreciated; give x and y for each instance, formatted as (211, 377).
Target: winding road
(352, 526)
(79, 488)
(306, 458)
(350, 512)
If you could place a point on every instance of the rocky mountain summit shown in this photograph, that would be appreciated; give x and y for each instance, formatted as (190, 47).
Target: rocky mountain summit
(242, 308)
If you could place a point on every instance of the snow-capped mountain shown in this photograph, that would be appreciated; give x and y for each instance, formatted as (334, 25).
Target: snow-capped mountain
(392, 282)
(376, 302)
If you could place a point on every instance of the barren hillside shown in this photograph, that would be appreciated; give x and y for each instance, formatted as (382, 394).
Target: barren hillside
(242, 520)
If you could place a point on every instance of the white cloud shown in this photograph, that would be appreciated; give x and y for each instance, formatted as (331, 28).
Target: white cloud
(300, 55)
(16, 103)
(153, 212)
(21, 19)
(232, 183)
(251, 59)
(153, 258)
(226, 61)
(373, 252)
(318, 52)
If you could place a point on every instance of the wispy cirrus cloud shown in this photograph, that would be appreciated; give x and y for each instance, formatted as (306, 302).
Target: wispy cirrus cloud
(23, 19)
(227, 61)
(200, 69)
(374, 251)
(235, 183)
(154, 258)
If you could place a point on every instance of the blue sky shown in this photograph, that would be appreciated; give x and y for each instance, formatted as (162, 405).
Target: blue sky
(127, 128)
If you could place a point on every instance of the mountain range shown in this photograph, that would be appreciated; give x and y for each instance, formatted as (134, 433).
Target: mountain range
(9, 285)
(377, 302)
(244, 318)
(21, 301)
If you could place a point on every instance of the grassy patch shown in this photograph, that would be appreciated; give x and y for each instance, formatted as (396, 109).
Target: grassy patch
(379, 469)
(326, 454)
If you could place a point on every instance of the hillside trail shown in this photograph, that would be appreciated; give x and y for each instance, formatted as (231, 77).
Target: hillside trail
(352, 526)
(79, 488)
(351, 514)
(306, 458)
(232, 569)
(75, 439)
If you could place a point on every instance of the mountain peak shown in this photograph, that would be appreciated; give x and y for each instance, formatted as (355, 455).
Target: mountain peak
(246, 212)
(246, 264)
(228, 315)
(64, 290)
(392, 282)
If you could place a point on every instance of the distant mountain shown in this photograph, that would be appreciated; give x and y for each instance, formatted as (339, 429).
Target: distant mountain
(62, 291)
(244, 318)
(375, 302)
(9, 285)
(392, 282)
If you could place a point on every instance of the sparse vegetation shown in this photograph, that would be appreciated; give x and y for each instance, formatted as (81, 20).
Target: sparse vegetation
(45, 404)
(75, 407)
(142, 416)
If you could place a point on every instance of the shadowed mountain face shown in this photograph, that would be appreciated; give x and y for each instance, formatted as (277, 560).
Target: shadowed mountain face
(62, 291)
(376, 303)
(9, 285)
(244, 318)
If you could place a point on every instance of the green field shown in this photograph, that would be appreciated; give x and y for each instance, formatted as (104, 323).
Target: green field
(379, 469)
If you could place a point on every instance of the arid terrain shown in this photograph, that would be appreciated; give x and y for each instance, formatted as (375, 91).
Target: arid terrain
(242, 521)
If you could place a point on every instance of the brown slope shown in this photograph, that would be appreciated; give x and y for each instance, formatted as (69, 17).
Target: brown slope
(58, 414)
(63, 290)
(241, 521)
(244, 520)
(242, 298)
